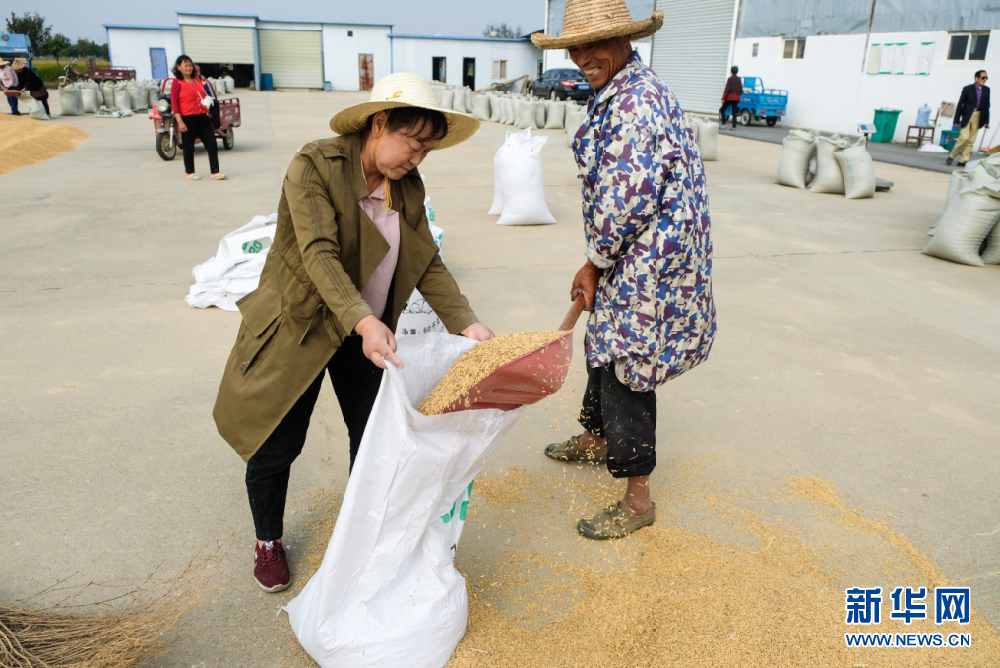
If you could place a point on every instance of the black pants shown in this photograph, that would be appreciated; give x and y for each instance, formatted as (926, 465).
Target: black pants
(625, 417)
(356, 382)
(734, 106)
(199, 126)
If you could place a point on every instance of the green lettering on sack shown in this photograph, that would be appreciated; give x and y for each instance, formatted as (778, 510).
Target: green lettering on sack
(463, 509)
(254, 246)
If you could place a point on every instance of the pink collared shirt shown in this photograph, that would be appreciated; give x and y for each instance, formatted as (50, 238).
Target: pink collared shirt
(375, 291)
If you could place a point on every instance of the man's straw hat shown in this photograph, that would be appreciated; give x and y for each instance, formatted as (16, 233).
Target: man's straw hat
(404, 90)
(588, 21)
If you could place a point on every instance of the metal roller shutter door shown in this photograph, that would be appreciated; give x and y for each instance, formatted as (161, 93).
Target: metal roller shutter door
(209, 44)
(294, 57)
(691, 51)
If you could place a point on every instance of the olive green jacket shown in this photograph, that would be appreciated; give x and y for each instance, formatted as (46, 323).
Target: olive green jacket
(309, 298)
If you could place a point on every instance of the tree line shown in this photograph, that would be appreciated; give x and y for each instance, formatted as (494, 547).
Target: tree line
(44, 42)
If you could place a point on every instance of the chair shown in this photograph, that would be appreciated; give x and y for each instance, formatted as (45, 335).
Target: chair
(919, 134)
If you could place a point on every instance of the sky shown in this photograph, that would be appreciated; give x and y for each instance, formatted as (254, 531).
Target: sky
(77, 19)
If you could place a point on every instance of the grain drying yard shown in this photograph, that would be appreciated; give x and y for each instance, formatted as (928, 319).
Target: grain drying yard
(843, 432)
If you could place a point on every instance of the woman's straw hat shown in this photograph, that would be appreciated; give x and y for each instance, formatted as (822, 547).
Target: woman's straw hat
(404, 90)
(588, 21)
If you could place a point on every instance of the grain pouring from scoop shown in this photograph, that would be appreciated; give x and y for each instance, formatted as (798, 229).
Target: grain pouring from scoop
(479, 362)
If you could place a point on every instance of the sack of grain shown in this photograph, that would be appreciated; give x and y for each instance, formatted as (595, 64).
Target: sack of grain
(695, 124)
(387, 592)
(70, 100)
(858, 170)
(481, 107)
(136, 96)
(829, 178)
(230, 84)
(522, 183)
(708, 140)
(796, 152)
(108, 95)
(963, 228)
(458, 101)
(90, 103)
(520, 137)
(122, 98)
(447, 98)
(496, 109)
(526, 114)
(539, 107)
(555, 115)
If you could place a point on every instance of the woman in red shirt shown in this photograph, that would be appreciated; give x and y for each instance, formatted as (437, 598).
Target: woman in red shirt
(731, 96)
(191, 105)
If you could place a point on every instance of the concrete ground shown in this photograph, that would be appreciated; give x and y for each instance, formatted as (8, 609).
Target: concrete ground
(842, 353)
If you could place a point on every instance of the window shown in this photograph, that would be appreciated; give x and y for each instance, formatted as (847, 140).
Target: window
(350, 33)
(887, 59)
(795, 47)
(925, 57)
(875, 59)
(756, 45)
(968, 46)
(499, 69)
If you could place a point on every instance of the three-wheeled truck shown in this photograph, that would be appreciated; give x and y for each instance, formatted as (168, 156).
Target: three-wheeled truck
(760, 104)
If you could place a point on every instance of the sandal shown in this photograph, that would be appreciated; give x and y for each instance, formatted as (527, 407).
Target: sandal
(614, 522)
(570, 451)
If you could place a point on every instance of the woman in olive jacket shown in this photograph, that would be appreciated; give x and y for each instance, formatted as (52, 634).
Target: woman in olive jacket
(352, 242)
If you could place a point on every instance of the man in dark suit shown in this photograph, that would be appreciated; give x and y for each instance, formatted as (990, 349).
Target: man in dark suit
(973, 113)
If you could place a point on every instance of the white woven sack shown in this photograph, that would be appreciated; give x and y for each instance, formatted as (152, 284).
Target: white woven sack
(32, 107)
(481, 107)
(387, 593)
(458, 102)
(858, 170)
(447, 98)
(539, 107)
(502, 110)
(122, 99)
(70, 100)
(108, 95)
(152, 96)
(90, 102)
(555, 115)
(136, 97)
(992, 253)
(510, 111)
(829, 178)
(522, 182)
(526, 114)
(496, 108)
(696, 129)
(962, 229)
(230, 84)
(497, 207)
(796, 152)
(708, 140)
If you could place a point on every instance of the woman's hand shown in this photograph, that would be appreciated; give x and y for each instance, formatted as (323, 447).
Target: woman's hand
(377, 342)
(180, 126)
(585, 283)
(477, 331)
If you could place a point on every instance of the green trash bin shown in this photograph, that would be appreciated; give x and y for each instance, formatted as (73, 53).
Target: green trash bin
(885, 125)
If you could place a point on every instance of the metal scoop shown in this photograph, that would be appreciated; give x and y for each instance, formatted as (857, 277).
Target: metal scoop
(528, 378)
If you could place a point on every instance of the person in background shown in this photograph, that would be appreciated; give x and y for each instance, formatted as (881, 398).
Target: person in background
(31, 82)
(647, 279)
(191, 107)
(731, 96)
(351, 245)
(973, 113)
(8, 81)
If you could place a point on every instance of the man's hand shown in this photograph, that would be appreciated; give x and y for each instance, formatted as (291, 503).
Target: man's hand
(585, 283)
(477, 331)
(377, 342)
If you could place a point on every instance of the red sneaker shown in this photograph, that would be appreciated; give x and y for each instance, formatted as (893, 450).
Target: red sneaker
(270, 567)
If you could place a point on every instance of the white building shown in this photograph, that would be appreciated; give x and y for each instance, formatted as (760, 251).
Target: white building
(839, 60)
(334, 56)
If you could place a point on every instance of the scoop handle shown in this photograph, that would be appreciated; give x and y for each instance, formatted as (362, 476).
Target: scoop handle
(574, 313)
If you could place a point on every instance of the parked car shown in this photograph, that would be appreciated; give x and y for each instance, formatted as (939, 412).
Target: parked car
(562, 84)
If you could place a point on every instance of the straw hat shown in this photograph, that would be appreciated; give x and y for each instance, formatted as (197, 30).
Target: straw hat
(404, 90)
(588, 21)
(3, 62)
(19, 63)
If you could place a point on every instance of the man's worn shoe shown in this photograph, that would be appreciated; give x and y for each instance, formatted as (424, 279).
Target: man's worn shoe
(270, 567)
(571, 451)
(949, 160)
(961, 164)
(615, 522)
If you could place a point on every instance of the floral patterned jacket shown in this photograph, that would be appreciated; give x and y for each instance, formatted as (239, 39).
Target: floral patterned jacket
(645, 212)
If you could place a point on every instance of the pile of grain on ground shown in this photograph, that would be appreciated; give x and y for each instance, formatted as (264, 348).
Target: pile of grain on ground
(502, 492)
(25, 141)
(689, 599)
(479, 362)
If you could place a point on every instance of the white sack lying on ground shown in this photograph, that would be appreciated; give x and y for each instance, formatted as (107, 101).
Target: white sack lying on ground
(858, 170)
(387, 592)
(970, 217)
(522, 182)
(796, 152)
(234, 272)
(708, 140)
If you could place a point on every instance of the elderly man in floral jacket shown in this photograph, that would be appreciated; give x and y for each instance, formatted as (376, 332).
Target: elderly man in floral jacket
(647, 279)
